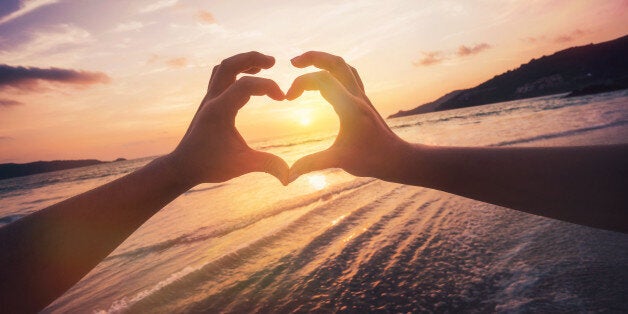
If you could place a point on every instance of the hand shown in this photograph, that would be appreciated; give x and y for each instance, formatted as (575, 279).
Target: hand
(212, 150)
(365, 145)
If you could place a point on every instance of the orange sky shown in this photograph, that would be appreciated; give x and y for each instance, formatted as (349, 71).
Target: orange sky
(147, 62)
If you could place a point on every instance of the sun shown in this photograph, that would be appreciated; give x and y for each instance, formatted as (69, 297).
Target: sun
(303, 117)
(305, 121)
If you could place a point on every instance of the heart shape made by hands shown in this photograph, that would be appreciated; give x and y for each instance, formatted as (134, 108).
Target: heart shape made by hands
(363, 145)
(364, 142)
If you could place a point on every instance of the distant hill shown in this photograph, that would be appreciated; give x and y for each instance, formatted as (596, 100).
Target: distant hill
(428, 107)
(19, 170)
(594, 68)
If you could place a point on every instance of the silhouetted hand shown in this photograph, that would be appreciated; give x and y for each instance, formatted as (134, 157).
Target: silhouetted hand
(365, 145)
(212, 150)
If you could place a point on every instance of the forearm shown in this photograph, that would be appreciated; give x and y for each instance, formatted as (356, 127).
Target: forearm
(49, 251)
(583, 185)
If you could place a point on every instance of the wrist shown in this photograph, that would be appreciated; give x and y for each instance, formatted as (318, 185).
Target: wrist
(177, 170)
(406, 163)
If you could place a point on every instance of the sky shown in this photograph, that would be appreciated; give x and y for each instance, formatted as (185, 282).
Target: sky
(108, 79)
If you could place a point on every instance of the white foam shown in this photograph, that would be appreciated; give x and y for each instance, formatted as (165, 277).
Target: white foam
(121, 305)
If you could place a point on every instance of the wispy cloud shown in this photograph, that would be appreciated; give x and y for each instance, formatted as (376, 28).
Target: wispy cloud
(569, 37)
(173, 62)
(533, 40)
(44, 42)
(206, 17)
(26, 6)
(159, 5)
(464, 51)
(430, 58)
(177, 62)
(557, 39)
(29, 77)
(9, 103)
(129, 26)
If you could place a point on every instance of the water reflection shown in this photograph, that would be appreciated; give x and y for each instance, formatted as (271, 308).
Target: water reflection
(317, 181)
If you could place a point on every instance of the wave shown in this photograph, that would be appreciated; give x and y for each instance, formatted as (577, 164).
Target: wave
(41, 200)
(205, 272)
(314, 252)
(295, 143)
(11, 218)
(196, 236)
(561, 134)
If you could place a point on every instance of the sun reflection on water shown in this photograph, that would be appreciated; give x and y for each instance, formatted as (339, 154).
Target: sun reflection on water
(317, 181)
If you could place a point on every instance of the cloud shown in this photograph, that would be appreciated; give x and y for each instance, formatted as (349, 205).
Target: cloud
(26, 6)
(436, 57)
(565, 38)
(9, 103)
(558, 39)
(158, 6)
(177, 62)
(206, 17)
(430, 58)
(6, 138)
(533, 40)
(464, 51)
(130, 26)
(44, 43)
(29, 77)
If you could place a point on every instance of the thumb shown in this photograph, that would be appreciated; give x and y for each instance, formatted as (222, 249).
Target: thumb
(317, 161)
(272, 164)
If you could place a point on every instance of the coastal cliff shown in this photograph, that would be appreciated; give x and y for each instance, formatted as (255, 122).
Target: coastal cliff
(603, 66)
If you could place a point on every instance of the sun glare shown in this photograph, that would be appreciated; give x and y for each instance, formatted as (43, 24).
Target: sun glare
(303, 116)
(317, 181)
(305, 121)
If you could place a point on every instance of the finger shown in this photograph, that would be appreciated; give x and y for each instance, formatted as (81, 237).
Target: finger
(329, 87)
(254, 70)
(271, 164)
(334, 64)
(214, 69)
(229, 69)
(357, 78)
(238, 94)
(317, 161)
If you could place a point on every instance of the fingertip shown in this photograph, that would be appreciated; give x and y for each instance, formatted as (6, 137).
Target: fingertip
(292, 93)
(276, 93)
(297, 169)
(278, 96)
(268, 62)
(298, 62)
(293, 176)
(275, 166)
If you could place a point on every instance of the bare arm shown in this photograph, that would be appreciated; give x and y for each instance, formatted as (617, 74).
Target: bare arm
(46, 253)
(583, 185)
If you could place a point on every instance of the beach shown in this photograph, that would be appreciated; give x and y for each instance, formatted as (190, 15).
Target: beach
(334, 242)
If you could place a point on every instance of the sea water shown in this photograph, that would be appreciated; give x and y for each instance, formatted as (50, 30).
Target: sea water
(334, 242)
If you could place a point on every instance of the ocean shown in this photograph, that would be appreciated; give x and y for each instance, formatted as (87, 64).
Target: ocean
(332, 242)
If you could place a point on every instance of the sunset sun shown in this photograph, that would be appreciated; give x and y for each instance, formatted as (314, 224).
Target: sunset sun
(304, 117)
